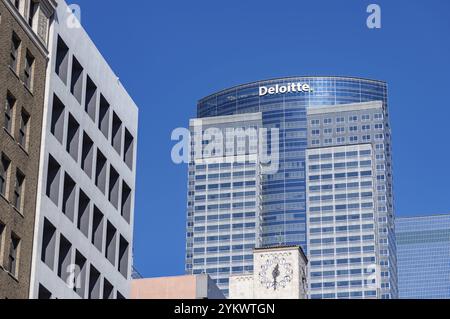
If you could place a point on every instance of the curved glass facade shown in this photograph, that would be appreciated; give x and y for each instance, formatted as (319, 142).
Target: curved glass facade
(283, 195)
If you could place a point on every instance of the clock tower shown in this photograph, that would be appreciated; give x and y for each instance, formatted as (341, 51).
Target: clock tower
(278, 273)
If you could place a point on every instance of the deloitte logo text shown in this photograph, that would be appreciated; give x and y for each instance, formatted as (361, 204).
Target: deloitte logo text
(282, 89)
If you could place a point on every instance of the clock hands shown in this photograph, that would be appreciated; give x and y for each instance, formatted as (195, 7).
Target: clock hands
(275, 275)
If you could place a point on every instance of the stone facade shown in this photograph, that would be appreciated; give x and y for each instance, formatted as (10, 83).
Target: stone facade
(279, 273)
(19, 222)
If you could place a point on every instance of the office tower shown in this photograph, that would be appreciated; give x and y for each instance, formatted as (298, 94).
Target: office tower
(423, 252)
(84, 223)
(349, 194)
(293, 105)
(224, 192)
(23, 62)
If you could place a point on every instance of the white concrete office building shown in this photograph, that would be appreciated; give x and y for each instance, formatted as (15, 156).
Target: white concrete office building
(84, 222)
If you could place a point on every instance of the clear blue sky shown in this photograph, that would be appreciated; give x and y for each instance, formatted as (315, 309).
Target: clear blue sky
(169, 54)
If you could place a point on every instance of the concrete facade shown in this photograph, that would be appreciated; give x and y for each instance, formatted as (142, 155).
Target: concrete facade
(280, 273)
(22, 82)
(84, 227)
(181, 287)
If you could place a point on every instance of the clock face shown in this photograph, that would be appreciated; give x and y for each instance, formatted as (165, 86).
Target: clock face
(276, 273)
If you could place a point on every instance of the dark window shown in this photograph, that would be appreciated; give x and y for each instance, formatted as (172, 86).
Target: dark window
(53, 177)
(116, 141)
(62, 60)
(44, 293)
(32, 12)
(13, 255)
(76, 85)
(68, 207)
(64, 261)
(87, 155)
(97, 229)
(100, 174)
(57, 124)
(28, 71)
(80, 274)
(83, 213)
(48, 244)
(94, 283)
(113, 194)
(128, 149)
(10, 103)
(4, 166)
(73, 137)
(91, 99)
(111, 239)
(126, 202)
(103, 123)
(23, 130)
(108, 290)
(123, 257)
(14, 54)
(18, 190)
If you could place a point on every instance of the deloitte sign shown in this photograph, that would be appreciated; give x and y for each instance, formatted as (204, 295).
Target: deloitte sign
(282, 89)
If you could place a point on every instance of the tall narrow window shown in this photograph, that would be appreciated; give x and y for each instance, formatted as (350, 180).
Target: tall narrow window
(83, 213)
(32, 12)
(68, 207)
(14, 54)
(65, 258)
(97, 229)
(103, 122)
(123, 257)
(80, 279)
(23, 130)
(100, 172)
(57, 124)
(10, 103)
(13, 257)
(113, 194)
(18, 190)
(94, 283)
(76, 86)
(2, 240)
(4, 166)
(17, 4)
(87, 155)
(91, 99)
(126, 202)
(108, 289)
(62, 60)
(53, 178)
(48, 244)
(116, 141)
(111, 240)
(128, 149)
(73, 137)
(28, 72)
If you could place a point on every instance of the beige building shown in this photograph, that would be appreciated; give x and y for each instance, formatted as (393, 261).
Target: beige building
(179, 287)
(279, 273)
(24, 26)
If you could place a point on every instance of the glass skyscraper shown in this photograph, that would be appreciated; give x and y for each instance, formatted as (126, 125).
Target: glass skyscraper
(423, 250)
(285, 104)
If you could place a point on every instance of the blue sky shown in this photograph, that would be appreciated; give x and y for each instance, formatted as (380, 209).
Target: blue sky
(168, 54)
